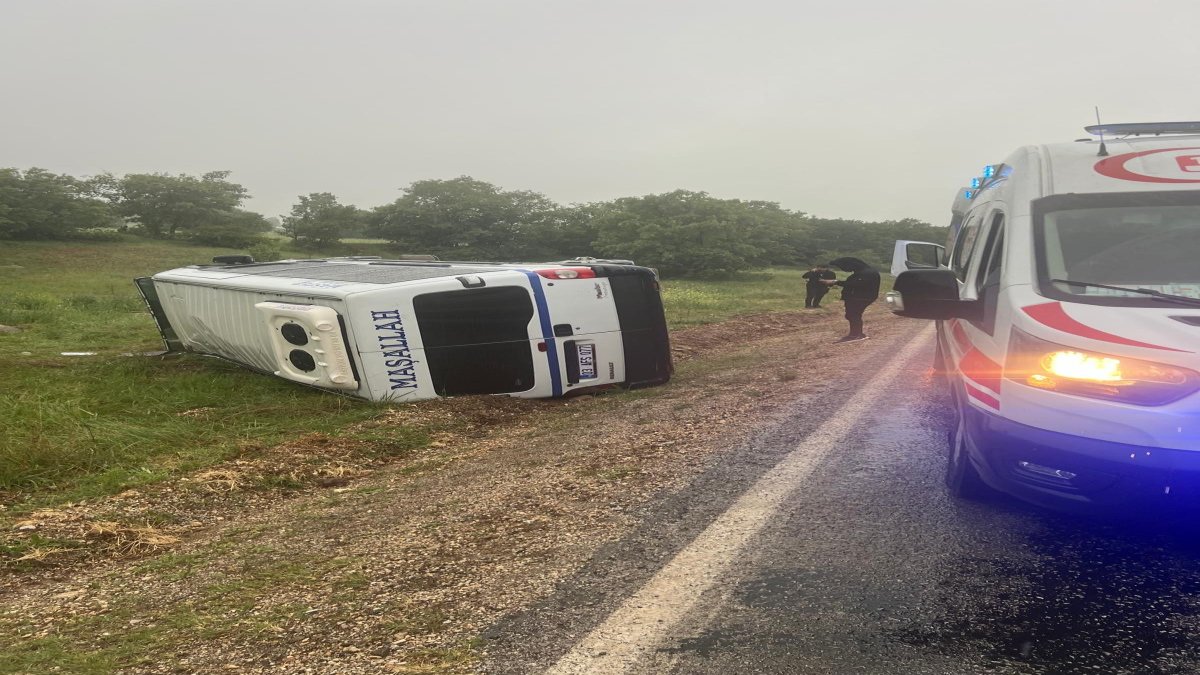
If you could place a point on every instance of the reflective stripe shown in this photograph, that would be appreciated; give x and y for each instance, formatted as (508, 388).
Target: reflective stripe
(982, 396)
(1053, 314)
(539, 298)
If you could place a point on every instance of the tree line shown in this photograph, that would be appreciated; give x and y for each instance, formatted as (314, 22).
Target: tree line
(682, 233)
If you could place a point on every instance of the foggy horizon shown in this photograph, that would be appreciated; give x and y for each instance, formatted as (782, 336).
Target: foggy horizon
(867, 111)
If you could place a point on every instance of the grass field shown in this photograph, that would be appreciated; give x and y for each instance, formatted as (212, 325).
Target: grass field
(695, 302)
(72, 427)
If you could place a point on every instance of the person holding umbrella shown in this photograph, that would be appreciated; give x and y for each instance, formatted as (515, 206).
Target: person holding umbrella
(815, 287)
(859, 290)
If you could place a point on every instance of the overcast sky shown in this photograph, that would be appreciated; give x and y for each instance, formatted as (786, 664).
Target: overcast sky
(877, 109)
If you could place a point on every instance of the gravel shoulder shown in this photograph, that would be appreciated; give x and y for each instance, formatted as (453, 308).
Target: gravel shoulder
(402, 563)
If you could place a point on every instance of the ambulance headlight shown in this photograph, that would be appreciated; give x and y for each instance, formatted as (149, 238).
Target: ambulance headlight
(1037, 363)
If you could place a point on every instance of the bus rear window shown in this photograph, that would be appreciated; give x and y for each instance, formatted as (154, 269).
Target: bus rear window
(477, 340)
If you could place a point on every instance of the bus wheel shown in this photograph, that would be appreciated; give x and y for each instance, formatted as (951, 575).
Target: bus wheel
(962, 478)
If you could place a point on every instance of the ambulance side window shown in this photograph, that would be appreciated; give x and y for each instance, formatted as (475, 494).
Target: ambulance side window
(991, 264)
(964, 247)
(993, 254)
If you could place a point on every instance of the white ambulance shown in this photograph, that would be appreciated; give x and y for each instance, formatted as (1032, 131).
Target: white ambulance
(404, 330)
(1068, 312)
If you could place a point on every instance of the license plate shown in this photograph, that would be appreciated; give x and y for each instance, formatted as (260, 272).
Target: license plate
(587, 361)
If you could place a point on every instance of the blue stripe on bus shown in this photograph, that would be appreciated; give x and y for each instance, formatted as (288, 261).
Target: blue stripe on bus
(539, 297)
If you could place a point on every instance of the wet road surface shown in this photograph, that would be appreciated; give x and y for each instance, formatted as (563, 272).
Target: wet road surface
(868, 566)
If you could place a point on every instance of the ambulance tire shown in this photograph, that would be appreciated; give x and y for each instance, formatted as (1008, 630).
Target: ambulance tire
(962, 478)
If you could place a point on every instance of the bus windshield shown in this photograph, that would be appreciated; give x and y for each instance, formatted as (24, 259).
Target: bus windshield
(1091, 254)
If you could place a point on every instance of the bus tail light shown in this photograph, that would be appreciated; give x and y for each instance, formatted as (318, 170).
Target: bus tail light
(568, 273)
(1044, 365)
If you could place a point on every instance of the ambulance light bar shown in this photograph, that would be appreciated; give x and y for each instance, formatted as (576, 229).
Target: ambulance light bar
(992, 173)
(1143, 129)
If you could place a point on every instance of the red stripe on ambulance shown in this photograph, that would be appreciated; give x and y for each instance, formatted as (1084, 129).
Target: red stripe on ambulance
(982, 396)
(1053, 315)
(960, 336)
(981, 370)
(978, 368)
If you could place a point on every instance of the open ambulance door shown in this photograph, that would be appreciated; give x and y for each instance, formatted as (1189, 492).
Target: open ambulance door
(917, 255)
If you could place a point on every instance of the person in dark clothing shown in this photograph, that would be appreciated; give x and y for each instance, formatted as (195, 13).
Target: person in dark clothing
(859, 290)
(815, 289)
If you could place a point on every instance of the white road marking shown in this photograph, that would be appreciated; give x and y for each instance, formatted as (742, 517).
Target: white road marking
(642, 623)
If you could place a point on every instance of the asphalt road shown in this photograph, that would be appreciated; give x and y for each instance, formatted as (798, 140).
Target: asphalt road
(827, 545)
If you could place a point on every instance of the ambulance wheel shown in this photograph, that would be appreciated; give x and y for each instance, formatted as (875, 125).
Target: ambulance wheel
(962, 478)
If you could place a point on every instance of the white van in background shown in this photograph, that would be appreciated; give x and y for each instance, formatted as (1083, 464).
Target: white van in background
(411, 330)
(1068, 316)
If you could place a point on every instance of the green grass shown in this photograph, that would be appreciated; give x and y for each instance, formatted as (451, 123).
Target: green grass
(777, 290)
(75, 427)
(691, 302)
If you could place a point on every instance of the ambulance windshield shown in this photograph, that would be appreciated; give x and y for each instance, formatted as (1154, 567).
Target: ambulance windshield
(1154, 247)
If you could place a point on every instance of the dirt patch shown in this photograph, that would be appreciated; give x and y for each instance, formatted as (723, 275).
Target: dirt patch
(401, 562)
(691, 342)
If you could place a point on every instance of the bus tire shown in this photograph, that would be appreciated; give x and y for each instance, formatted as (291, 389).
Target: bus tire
(962, 479)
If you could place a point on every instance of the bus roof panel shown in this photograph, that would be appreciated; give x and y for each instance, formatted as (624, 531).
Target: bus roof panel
(358, 272)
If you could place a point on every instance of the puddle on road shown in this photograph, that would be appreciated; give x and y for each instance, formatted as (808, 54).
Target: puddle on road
(1084, 598)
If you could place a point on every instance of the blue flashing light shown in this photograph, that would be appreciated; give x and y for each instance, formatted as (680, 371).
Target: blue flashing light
(976, 182)
(989, 171)
(967, 193)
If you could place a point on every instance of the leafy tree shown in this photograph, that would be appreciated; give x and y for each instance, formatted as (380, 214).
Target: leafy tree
(232, 229)
(690, 233)
(564, 232)
(462, 218)
(871, 241)
(318, 219)
(37, 204)
(163, 205)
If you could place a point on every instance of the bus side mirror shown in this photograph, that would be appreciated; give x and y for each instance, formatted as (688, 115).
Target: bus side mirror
(931, 294)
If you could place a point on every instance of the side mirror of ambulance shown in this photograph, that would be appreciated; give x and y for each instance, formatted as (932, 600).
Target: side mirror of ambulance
(931, 294)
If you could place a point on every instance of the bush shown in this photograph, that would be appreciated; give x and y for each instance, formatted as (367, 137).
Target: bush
(99, 234)
(266, 250)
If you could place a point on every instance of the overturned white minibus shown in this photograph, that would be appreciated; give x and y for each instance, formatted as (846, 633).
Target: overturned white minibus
(409, 330)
